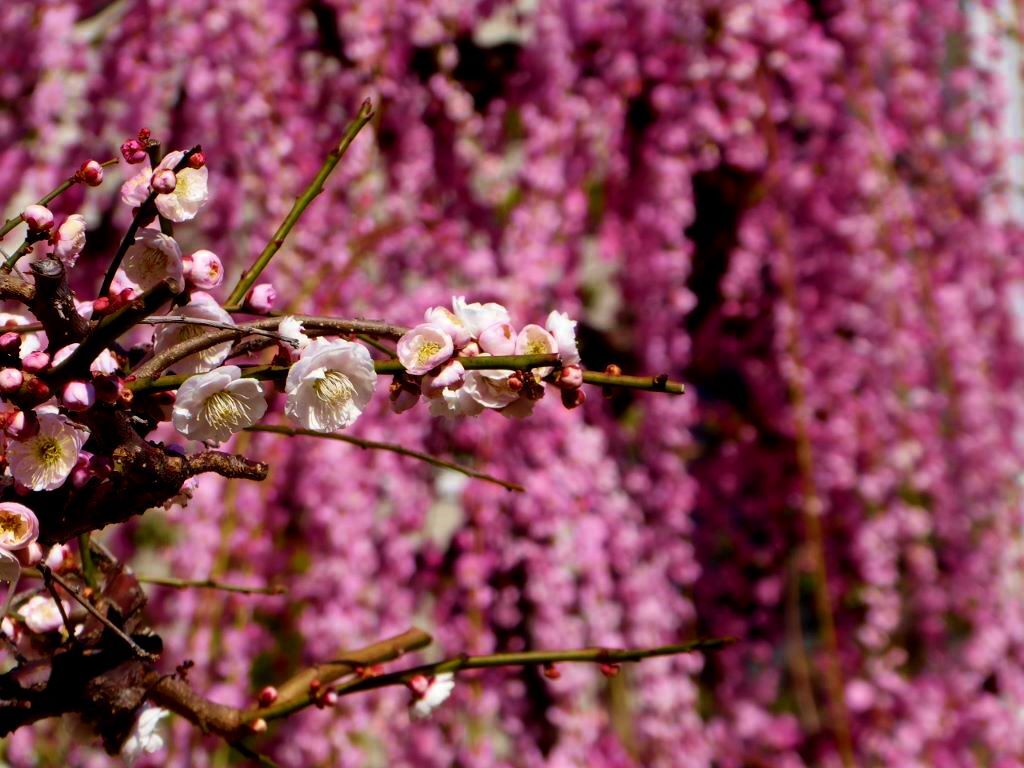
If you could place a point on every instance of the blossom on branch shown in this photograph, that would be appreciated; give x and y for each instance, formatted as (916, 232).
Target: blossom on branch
(202, 307)
(19, 526)
(563, 330)
(144, 738)
(41, 614)
(330, 386)
(423, 348)
(70, 240)
(430, 693)
(43, 461)
(213, 406)
(153, 257)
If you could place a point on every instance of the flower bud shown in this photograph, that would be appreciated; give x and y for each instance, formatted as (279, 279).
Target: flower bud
(38, 390)
(101, 306)
(34, 362)
(204, 269)
(613, 370)
(78, 395)
(38, 217)
(268, 696)
(198, 160)
(259, 725)
(570, 377)
(133, 151)
(551, 672)
(330, 698)
(498, 339)
(17, 425)
(402, 400)
(470, 350)
(261, 298)
(608, 669)
(144, 134)
(91, 173)
(164, 181)
(10, 380)
(418, 684)
(10, 342)
(108, 388)
(514, 382)
(29, 555)
(314, 685)
(573, 398)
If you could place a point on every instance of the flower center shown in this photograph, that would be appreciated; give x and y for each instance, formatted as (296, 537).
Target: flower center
(335, 388)
(427, 350)
(183, 183)
(153, 260)
(13, 526)
(536, 347)
(48, 451)
(222, 410)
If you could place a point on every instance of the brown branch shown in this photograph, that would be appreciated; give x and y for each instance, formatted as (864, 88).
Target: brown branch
(15, 289)
(54, 305)
(226, 465)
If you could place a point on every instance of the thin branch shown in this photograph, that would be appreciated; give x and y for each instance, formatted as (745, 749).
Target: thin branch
(30, 240)
(248, 278)
(235, 329)
(16, 289)
(402, 451)
(48, 583)
(73, 591)
(168, 581)
(533, 658)
(144, 213)
(252, 754)
(375, 344)
(49, 197)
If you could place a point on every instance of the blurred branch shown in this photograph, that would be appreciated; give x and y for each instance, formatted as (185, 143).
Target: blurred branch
(245, 282)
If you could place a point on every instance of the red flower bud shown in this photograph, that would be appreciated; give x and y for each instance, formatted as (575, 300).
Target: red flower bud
(268, 696)
(608, 669)
(551, 672)
(198, 160)
(133, 151)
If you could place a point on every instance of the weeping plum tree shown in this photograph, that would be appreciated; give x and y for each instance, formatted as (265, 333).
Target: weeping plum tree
(87, 382)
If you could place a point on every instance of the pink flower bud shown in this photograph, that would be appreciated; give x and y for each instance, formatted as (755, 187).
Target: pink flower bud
(30, 555)
(38, 217)
(91, 173)
(63, 354)
(402, 400)
(57, 556)
(261, 298)
(101, 306)
(38, 389)
(34, 362)
(108, 388)
(514, 382)
(16, 425)
(268, 696)
(573, 398)
(470, 350)
(164, 181)
(418, 684)
(498, 339)
(330, 699)
(551, 672)
(198, 160)
(80, 475)
(10, 380)
(609, 669)
(204, 269)
(10, 342)
(570, 377)
(133, 151)
(78, 395)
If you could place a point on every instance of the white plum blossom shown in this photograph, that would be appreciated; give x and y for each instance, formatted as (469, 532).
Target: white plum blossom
(105, 362)
(437, 691)
(19, 526)
(44, 461)
(212, 406)
(144, 738)
(455, 403)
(534, 340)
(423, 348)
(564, 331)
(204, 307)
(190, 191)
(70, 240)
(490, 388)
(478, 317)
(330, 386)
(41, 614)
(450, 376)
(136, 189)
(151, 258)
(449, 322)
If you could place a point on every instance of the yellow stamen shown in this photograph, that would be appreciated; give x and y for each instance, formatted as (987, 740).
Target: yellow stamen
(426, 351)
(335, 388)
(222, 410)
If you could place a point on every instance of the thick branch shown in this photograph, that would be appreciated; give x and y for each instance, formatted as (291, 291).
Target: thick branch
(54, 304)
(248, 278)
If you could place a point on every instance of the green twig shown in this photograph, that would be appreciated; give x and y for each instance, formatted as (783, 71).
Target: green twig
(88, 565)
(373, 444)
(248, 278)
(31, 239)
(168, 581)
(46, 199)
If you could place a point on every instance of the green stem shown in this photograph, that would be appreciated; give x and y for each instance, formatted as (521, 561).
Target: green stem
(168, 581)
(426, 457)
(248, 278)
(30, 240)
(88, 565)
(46, 199)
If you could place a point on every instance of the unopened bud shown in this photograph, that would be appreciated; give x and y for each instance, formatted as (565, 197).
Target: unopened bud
(613, 370)
(164, 181)
(10, 380)
(204, 269)
(330, 698)
(551, 672)
(570, 377)
(573, 398)
(314, 685)
(21, 426)
(38, 217)
(418, 684)
(268, 696)
(133, 151)
(30, 555)
(78, 395)
(608, 669)
(261, 298)
(472, 349)
(34, 362)
(37, 389)
(108, 388)
(515, 382)
(144, 134)
(259, 725)
(498, 339)
(10, 342)
(101, 306)
(197, 160)
(91, 173)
